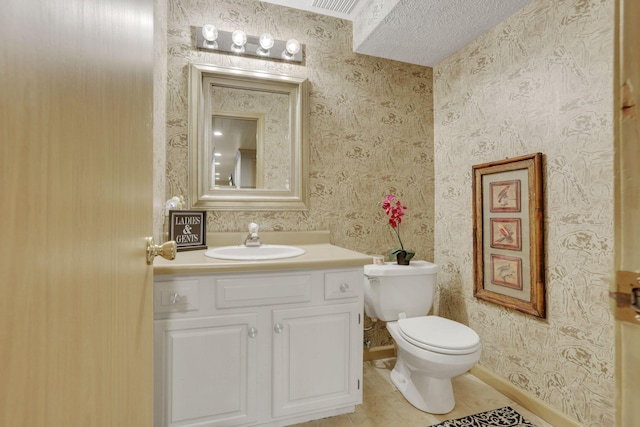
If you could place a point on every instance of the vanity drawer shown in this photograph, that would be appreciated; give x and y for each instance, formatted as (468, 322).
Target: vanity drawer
(175, 296)
(343, 284)
(265, 290)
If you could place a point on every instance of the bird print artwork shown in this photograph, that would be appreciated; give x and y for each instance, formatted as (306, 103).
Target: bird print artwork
(502, 196)
(506, 233)
(505, 196)
(506, 271)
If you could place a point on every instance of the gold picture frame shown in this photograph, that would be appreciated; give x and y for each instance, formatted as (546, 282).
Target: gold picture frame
(508, 233)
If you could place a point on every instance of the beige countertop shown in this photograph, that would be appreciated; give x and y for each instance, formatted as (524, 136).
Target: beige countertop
(319, 253)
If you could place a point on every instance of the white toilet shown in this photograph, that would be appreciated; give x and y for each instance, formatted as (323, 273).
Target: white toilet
(430, 349)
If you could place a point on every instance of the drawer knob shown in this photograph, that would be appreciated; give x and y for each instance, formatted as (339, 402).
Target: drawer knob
(175, 298)
(278, 328)
(253, 332)
(344, 287)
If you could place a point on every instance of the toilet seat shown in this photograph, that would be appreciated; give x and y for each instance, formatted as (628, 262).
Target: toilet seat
(439, 335)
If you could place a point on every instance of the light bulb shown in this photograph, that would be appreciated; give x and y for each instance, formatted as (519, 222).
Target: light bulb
(291, 48)
(266, 41)
(239, 38)
(209, 32)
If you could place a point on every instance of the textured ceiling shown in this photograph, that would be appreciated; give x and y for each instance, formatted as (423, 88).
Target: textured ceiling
(420, 32)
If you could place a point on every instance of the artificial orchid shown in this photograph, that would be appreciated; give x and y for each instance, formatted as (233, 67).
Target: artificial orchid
(395, 209)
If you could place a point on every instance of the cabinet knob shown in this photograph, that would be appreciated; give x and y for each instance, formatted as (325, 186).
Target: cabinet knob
(253, 332)
(344, 287)
(174, 298)
(278, 328)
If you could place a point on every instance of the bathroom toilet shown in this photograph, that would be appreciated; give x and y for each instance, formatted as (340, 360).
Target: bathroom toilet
(430, 349)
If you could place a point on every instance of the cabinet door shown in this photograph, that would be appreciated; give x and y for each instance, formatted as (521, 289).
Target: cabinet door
(205, 371)
(317, 358)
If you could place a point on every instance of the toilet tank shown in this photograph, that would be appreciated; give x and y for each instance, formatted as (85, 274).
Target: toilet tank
(391, 289)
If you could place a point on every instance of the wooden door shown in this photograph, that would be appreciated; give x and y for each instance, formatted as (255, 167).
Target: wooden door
(76, 80)
(627, 209)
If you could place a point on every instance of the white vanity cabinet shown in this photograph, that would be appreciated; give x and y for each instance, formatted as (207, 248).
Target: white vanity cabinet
(264, 348)
(209, 370)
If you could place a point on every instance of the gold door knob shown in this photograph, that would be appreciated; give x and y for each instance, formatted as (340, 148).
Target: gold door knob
(167, 250)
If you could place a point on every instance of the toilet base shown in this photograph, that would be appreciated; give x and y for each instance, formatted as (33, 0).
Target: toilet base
(424, 377)
(437, 393)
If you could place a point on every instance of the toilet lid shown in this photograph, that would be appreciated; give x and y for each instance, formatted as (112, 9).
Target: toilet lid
(439, 334)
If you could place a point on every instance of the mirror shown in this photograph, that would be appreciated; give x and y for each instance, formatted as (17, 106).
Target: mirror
(233, 158)
(247, 139)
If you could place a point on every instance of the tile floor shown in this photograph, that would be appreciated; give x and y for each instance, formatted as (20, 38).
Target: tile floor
(384, 406)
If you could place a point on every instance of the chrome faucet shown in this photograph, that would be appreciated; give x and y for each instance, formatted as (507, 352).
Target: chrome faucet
(253, 239)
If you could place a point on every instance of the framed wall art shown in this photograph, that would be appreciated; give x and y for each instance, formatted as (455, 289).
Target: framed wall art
(188, 229)
(508, 233)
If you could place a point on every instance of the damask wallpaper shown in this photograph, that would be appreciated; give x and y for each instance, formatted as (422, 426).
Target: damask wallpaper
(542, 81)
(371, 125)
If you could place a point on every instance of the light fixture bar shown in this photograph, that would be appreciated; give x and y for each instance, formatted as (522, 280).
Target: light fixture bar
(224, 44)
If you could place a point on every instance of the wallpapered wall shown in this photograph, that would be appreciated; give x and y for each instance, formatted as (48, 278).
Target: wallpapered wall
(371, 127)
(541, 81)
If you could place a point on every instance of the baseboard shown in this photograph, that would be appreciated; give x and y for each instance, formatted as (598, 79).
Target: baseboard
(380, 352)
(527, 400)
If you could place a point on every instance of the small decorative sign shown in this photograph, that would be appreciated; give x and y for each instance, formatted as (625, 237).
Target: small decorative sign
(188, 229)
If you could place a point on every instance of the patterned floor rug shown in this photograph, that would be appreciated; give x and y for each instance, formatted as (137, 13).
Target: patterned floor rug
(503, 417)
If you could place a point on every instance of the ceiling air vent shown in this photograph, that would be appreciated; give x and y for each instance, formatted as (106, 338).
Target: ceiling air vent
(342, 6)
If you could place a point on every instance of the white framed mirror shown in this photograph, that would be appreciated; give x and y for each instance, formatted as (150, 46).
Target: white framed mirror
(247, 139)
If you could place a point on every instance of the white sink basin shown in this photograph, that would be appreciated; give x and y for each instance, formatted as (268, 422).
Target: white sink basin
(254, 253)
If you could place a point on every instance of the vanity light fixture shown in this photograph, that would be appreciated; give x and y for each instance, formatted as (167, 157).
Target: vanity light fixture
(209, 38)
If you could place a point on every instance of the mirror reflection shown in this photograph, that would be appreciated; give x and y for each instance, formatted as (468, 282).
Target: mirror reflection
(253, 120)
(235, 162)
(247, 139)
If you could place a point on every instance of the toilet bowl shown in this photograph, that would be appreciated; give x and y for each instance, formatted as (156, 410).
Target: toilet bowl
(431, 350)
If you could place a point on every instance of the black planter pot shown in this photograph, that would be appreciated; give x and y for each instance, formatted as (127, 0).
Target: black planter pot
(401, 258)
